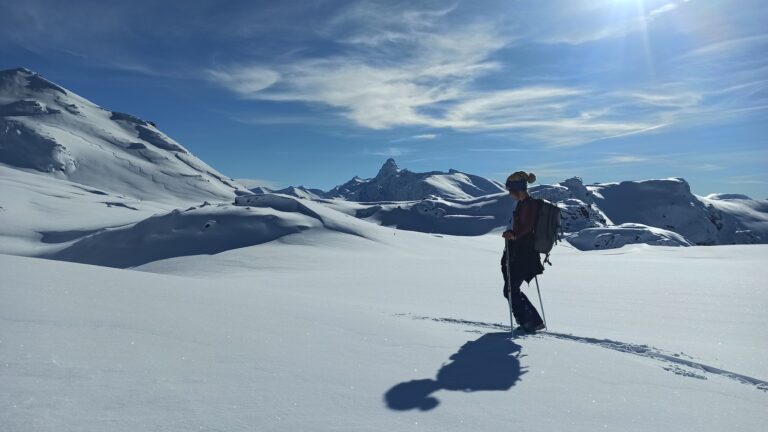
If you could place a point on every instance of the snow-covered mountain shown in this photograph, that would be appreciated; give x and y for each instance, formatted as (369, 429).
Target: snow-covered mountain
(131, 172)
(670, 205)
(395, 184)
(294, 191)
(659, 212)
(51, 131)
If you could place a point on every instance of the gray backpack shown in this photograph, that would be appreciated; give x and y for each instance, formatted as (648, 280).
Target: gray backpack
(546, 230)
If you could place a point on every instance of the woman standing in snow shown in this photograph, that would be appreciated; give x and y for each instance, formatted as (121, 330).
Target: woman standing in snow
(520, 261)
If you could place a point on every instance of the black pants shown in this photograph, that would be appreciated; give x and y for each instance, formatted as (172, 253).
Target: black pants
(525, 313)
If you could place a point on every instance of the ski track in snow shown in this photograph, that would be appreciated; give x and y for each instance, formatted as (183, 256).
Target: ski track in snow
(673, 360)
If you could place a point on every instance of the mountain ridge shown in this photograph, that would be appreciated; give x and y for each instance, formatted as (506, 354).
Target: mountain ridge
(49, 130)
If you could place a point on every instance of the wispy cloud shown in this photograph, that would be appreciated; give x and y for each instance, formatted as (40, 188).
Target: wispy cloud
(662, 9)
(498, 150)
(390, 152)
(245, 80)
(577, 23)
(372, 85)
(624, 159)
(423, 74)
(748, 179)
(405, 67)
(418, 137)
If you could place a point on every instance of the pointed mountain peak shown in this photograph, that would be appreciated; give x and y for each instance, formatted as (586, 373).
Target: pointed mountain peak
(15, 71)
(390, 167)
(22, 77)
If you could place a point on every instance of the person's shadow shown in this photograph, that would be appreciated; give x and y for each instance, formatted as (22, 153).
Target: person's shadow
(488, 363)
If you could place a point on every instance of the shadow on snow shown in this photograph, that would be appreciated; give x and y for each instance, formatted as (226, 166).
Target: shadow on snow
(490, 363)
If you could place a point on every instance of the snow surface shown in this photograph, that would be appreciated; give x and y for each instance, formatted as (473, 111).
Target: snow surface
(39, 214)
(327, 331)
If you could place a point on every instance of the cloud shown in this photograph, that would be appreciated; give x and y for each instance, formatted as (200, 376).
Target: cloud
(390, 152)
(707, 167)
(418, 137)
(747, 179)
(577, 23)
(425, 137)
(375, 87)
(498, 150)
(245, 80)
(663, 9)
(624, 159)
(399, 66)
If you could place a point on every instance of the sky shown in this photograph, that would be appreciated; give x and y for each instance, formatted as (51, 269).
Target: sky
(315, 92)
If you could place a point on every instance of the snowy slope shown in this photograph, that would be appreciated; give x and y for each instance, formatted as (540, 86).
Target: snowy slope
(51, 131)
(210, 229)
(402, 334)
(434, 215)
(749, 217)
(395, 184)
(41, 214)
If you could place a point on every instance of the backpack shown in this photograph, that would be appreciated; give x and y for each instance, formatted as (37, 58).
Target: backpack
(546, 228)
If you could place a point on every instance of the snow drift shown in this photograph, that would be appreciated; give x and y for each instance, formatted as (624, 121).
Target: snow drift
(209, 229)
(611, 237)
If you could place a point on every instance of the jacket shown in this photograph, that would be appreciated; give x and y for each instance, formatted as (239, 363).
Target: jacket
(524, 261)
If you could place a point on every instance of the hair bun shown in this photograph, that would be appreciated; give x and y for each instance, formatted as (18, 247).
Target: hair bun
(531, 177)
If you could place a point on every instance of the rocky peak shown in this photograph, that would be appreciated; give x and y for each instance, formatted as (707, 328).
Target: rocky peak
(389, 168)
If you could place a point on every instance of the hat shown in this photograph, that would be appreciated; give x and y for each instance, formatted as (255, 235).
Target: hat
(519, 181)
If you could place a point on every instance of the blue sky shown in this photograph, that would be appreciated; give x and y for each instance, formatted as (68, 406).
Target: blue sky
(314, 92)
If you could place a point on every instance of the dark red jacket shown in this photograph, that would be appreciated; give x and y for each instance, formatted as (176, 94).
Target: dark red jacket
(524, 261)
(524, 217)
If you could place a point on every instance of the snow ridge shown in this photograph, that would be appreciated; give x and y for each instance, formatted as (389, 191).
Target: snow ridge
(395, 184)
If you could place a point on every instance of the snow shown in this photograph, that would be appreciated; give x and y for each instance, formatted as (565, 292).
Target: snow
(47, 129)
(39, 214)
(669, 204)
(326, 331)
(616, 236)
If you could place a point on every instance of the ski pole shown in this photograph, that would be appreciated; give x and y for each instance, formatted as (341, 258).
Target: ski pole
(509, 291)
(543, 316)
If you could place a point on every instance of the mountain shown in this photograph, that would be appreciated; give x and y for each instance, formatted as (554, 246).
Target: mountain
(69, 156)
(298, 192)
(669, 204)
(49, 130)
(395, 184)
(598, 216)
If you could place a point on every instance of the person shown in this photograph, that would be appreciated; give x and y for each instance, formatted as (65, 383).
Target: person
(520, 261)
